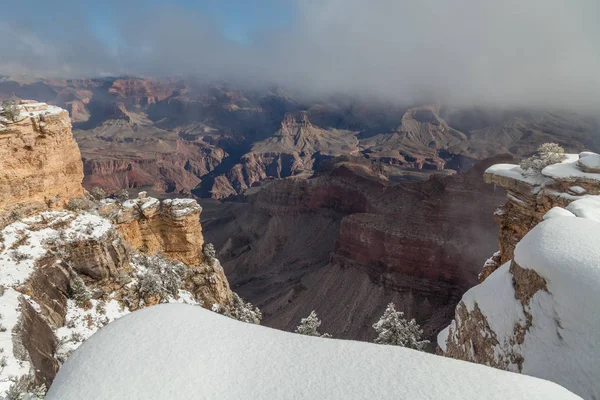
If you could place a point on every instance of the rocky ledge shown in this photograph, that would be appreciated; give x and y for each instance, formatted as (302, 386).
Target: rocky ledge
(535, 310)
(531, 195)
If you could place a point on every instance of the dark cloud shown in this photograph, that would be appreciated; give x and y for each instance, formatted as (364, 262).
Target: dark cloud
(542, 53)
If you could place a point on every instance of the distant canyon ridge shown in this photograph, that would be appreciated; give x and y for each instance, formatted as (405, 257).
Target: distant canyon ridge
(338, 205)
(215, 140)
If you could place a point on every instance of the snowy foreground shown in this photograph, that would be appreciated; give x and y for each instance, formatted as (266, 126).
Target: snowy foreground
(175, 351)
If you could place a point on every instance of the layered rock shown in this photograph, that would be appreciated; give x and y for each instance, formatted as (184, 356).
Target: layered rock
(39, 160)
(535, 314)
(531, 195)
(359, 239)
(292, 149)
(417, 142)
(65, 274)
(171, 226)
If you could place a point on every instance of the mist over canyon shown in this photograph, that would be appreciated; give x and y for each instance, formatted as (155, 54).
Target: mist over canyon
(340, 205)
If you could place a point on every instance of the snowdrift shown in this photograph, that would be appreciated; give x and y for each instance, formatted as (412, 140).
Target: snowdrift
(185, 352)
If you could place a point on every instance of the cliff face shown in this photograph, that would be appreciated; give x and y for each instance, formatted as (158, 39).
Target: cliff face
(530, 197)
(534, 311)
(39, 160)
(360, 240)
(65, 274)
(171, 226)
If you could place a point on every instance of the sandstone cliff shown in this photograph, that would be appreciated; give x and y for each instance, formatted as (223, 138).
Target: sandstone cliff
(39, 160)
(534, 311)
(65, 274)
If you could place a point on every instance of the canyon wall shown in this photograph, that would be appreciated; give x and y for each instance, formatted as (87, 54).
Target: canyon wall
(64, 274)
(535, 310)
(295, 245)
(39, 159)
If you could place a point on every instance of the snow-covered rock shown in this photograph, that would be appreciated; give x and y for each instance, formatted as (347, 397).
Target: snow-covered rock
(184, 352)
(538, 313)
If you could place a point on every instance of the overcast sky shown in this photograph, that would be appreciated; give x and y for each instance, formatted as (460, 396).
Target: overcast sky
(543, 53)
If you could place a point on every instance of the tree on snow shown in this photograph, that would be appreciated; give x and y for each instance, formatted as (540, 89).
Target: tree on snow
(547, 154)
(309, 326)
(240, 310)
(394, 329)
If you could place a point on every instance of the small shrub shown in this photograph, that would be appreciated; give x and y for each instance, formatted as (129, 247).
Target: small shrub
(393, 329)
(15, 216)
(123, 195)
(547, 154)
(10, 111)
(162, 277)
(79, 204)
(208, 250)
(309, 326)
(98, 193)
(19, 256)
(3, 361)
(239, 310)
(79, 291)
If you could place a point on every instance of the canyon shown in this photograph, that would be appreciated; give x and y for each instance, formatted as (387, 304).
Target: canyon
(182, 136)
(71, 263)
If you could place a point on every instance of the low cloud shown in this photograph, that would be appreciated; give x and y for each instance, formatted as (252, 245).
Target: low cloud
(538, 53)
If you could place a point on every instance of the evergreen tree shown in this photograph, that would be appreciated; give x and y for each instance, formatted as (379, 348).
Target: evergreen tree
(394, 329)
(309, 326)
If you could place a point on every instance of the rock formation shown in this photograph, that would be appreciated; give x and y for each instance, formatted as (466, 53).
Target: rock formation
(358, 239)
(66, 273)
(534, 311)
(39, 160)
(174, 135)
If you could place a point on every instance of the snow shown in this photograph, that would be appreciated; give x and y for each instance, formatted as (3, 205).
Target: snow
(182, 207)
(515, 172)
(186, 352)
(558, 212)
(495, 297)
(589, 160)
(88, 226)
(588, 207)
(566, 253)
(10, 310)
(570, 170)
(28, 110)
(577, 190)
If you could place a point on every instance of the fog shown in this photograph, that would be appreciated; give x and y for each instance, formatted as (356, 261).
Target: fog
(540, 53)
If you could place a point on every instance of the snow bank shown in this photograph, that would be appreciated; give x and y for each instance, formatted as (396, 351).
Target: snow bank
(563, 344)
(186, 352)
(588, 207)
(515, 172)
(569, 169)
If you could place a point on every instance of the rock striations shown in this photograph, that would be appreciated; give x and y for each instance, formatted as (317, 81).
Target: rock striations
(535, 310)
(77, 263)
(39, 160)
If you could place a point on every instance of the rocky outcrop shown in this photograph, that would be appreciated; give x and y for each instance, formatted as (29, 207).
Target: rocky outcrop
(533, 312)
(39, 160)
(417, 142)
(294, 148)
(171, 227)
(532, 195)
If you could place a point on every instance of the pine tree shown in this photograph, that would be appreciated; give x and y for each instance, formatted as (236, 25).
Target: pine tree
(309, 326)
(547, 154)
(80, 292)
(394, 329)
